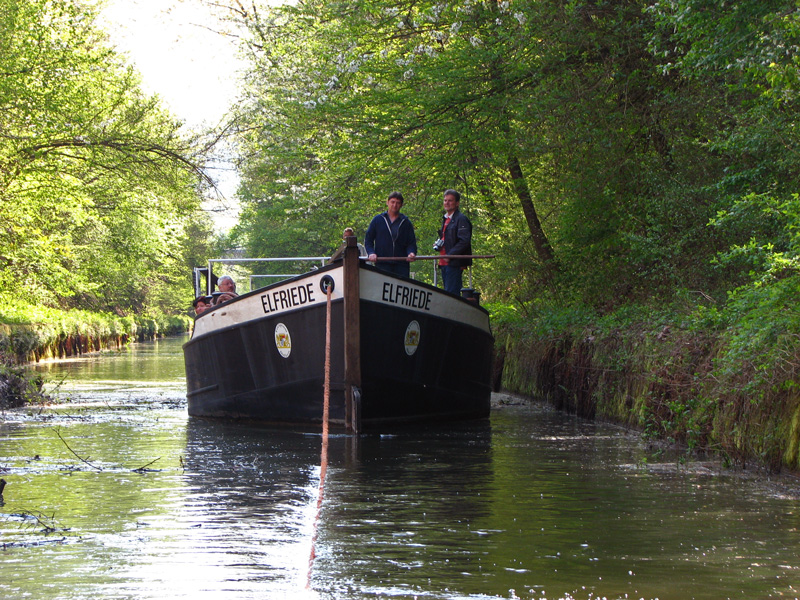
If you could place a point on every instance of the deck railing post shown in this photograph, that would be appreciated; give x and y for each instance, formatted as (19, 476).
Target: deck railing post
(352, 336)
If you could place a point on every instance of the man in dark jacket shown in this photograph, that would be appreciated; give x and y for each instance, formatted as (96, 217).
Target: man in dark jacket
(456, 238)
(392, 234)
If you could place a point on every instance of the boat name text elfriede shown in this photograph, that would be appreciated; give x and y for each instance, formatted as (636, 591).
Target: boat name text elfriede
(288, 298)
(395, 293)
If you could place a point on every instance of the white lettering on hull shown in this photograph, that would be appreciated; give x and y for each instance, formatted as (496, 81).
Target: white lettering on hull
(374, 287)
(291, 296)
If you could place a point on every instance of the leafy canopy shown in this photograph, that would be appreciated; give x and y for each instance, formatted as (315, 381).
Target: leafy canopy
(97, 181)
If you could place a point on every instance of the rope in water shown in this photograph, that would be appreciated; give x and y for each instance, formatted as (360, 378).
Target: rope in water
(323, 461)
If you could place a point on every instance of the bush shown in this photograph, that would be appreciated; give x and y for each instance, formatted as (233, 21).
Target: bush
(17, 387)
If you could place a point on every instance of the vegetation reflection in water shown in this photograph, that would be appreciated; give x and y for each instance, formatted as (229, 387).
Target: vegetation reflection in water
(534, 504)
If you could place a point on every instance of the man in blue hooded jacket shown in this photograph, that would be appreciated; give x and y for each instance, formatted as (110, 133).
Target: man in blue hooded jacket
(392, 234)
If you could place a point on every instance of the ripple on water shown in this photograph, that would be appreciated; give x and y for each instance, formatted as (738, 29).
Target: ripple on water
(119, 494)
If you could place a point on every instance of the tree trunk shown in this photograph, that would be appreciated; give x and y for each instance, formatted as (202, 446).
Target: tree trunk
(540, 241)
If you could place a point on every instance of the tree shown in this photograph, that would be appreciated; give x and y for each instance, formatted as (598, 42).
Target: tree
(750, 50)
(96, 179)
(591, 157)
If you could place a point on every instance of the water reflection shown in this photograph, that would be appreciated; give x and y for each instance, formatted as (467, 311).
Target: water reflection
(404, 509)
(143, 372)
(533, 504)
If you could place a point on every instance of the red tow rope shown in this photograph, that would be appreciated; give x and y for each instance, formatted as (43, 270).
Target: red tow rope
(323, 461)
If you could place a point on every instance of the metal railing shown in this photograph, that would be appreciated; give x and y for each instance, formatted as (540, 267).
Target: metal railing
(323, 260)
(208, 271)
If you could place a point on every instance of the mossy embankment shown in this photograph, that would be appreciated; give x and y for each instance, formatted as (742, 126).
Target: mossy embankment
(711, 381)
(29, 334)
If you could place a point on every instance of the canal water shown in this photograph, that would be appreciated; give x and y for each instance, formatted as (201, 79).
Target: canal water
(118, 494)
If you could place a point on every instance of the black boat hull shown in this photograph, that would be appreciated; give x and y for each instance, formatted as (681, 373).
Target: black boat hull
(264, 358)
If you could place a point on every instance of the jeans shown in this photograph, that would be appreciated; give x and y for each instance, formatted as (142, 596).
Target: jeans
(452, 278)
(398, 268)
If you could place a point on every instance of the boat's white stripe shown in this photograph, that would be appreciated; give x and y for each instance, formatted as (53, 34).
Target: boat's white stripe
(374, 286)
(291, 296)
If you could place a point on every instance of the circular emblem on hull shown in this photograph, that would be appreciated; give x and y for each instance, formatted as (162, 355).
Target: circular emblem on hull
(283, 341)
(411, 339)
(325, 283)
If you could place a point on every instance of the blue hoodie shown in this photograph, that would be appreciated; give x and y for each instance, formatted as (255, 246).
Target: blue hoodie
(385, 238)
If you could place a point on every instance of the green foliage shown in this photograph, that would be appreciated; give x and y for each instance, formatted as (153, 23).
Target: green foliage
(17, 386)
(349, 103)
(346, 103)
(31, 332)
(762, 341)
(635, 126)
(98, 184)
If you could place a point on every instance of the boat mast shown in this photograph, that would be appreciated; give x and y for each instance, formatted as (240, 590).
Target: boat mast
(352, 337)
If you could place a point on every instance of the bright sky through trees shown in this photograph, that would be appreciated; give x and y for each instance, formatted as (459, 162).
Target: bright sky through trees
(177, 47)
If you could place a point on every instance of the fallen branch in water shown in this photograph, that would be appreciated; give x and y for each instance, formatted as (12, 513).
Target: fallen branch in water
(80, 458)
(144, 469)
(49, 524)
(7, 545)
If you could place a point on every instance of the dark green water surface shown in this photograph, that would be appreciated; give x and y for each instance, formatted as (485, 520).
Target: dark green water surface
(118, 494)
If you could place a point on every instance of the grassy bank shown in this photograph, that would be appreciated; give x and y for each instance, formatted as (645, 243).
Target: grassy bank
(32, 333)
(29, 333)
(716, 380)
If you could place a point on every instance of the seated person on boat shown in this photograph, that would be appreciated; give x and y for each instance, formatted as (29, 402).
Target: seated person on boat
(348, 232)
(201, 304)
(227, 288)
